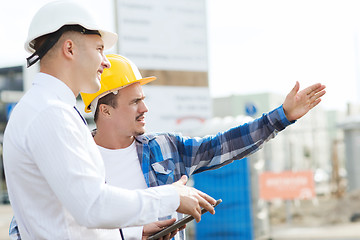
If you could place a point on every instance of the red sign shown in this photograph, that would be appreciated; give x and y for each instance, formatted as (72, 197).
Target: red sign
(287, 185)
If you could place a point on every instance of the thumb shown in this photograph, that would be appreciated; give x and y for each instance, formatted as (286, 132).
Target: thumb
(183, 180)
(295, 88)
(165, 223)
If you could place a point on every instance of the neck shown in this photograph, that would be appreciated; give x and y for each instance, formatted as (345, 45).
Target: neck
(112, 140)
(62, 75)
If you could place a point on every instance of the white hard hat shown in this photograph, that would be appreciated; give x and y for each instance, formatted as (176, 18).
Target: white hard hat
(54, 15)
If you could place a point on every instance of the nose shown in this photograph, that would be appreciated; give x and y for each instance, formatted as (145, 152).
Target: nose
(105, 62)
(144, 108)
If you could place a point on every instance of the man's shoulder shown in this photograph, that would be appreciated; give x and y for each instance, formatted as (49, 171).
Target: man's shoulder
(35, 112)
(38, 101)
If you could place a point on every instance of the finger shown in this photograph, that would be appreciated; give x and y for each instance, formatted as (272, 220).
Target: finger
(167, 237)
(173, 233)
(312, 88)
(322, 87)
(312, 105)
(205, 196)
(316, 91)
(182, 228)
(165, 223)
(198, 208)
(317, 96)
(205, 204)
(320, 94)
(197, 216)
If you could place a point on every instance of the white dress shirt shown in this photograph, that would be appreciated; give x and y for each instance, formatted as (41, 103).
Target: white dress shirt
(55, 174)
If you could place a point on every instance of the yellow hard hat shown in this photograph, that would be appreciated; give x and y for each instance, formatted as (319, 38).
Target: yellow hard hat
(122, 73)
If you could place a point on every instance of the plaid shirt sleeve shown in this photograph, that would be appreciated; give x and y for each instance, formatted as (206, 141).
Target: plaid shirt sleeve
(14, 233)
(201, 154)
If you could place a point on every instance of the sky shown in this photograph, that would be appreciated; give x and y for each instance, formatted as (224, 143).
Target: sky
(254, 46)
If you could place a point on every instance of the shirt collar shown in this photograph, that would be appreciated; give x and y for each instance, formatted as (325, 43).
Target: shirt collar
(56, 86)
(144, 139)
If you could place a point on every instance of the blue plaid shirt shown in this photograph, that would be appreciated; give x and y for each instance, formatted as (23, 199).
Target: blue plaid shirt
(165, 157)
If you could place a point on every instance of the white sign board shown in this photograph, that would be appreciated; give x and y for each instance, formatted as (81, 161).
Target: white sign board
(164, 34)
(176, 109)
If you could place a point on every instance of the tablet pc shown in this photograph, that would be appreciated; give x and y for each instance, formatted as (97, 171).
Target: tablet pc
(178, 224)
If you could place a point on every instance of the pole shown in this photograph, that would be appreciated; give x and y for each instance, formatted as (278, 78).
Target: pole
(116, 24)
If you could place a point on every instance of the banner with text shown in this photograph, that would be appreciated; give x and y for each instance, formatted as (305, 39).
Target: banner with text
(287, 185)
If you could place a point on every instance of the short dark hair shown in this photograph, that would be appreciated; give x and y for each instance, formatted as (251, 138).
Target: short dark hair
(44, 43)
(109, 99)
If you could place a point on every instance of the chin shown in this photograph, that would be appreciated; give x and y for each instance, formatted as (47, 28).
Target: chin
(93, 88)
(138, 133)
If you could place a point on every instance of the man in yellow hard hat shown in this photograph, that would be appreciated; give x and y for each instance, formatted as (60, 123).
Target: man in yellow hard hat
(136, 160)
(54, 172)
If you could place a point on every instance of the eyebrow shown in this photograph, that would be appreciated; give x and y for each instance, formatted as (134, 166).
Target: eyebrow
(137, 99)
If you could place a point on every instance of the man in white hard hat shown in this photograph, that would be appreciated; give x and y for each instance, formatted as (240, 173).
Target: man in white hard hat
(54, 171)
(136, 160)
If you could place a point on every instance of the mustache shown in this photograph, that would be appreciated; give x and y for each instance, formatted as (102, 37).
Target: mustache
(141, 115)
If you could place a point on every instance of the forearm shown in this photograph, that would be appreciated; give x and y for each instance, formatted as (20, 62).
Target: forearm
(238, 142)
(123, 208)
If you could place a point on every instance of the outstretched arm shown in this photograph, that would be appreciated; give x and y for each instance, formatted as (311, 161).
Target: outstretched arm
(211, 152)
(297, 104)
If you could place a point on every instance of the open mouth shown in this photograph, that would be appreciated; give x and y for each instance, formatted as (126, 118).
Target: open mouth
(140, 118)
(99, 72)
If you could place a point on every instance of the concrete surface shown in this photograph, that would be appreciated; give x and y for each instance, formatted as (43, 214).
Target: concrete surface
(5, 218)
(349, 231)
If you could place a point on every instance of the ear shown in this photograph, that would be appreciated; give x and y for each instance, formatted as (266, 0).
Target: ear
(104, 110)
(68, 48)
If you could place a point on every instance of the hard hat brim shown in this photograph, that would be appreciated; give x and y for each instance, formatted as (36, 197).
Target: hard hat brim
(146, 80)
(109, 39)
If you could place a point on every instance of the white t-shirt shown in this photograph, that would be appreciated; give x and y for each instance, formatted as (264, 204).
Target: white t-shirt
(116, 161)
